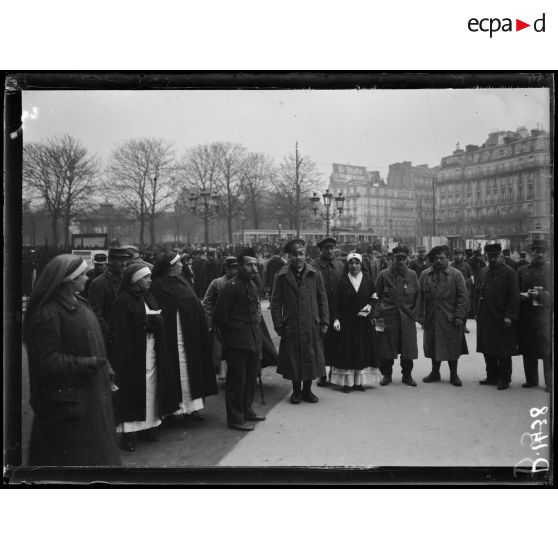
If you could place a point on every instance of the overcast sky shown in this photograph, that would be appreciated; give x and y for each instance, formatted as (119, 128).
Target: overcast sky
(371, 128)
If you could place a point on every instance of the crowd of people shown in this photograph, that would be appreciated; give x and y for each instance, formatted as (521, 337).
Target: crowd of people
(137, 341)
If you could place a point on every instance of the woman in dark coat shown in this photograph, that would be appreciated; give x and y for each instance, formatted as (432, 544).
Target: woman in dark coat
(189, 349)
(73, 421)
(354, 353)
(138, 353)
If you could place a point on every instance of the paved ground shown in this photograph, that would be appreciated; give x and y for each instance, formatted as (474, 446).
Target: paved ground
(430, 425)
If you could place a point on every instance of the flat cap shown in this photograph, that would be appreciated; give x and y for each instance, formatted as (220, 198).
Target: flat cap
(436, 250)
(493, 248)
(401, 250)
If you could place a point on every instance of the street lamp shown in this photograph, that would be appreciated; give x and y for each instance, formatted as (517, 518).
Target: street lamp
(329, 213)
(206, 206)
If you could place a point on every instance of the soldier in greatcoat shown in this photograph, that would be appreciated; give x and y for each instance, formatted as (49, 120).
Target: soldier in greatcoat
(535, 316)
(397, 289)
(300, 314)
(332, 270)
(497, 313)
(443, 311)
(237, 316)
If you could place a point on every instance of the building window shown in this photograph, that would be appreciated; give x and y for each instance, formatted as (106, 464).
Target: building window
(530, 191)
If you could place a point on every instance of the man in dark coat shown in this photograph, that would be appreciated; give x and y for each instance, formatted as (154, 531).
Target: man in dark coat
(508, 259)
(397, 289)
(274, 264)
(465, 268)
(300, 314)
(420, 263)
(476, 263)
(522, 260)
(103, 289)
(332, 270)
(99, 266)
(497, 313)
(210, 269)
(535, 316)
(237, 316)
(443, 311)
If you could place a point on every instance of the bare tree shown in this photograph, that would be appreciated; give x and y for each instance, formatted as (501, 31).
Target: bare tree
(257, 176)
(141, 180)
(231, 157)
(61, 174)
(200, 170)
(294, 182)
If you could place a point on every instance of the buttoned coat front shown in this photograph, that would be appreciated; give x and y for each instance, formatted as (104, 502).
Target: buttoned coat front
(297, 314)
(498, 298)
(398, 296)
(443, 298)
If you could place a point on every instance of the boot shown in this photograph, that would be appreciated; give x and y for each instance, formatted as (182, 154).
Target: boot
(454, 380)
(432, 377)
(296, 396)
(307, 394)
(322, 382)
(408, 380)
(386, 380)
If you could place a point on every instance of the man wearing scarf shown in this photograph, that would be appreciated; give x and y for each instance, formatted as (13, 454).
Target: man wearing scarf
(237, 317)
(535, 316)
(497, 312)
(397, 289)
(443, 311)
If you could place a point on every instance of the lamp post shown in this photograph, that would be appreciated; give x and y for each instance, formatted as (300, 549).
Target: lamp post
(206, 206)
(329, 212)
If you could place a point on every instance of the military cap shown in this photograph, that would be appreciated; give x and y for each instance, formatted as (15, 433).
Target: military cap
(458, 251)
(100, 258)
(118, 254)
(540, 244)
(421, 249)
(506, 251)
(293, 245)
(325, 241)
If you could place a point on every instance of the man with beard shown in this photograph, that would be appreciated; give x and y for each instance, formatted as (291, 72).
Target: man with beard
(443, 310)
(332, 269)
(465, 268)
(397, 290)
(104, 288)
(420, 263)
(99, 266)
(237, 317)
(497, 312)
(535, 316)
(300, 314)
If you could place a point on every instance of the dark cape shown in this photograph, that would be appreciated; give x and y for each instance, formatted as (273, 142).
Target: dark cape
(128, 328)
(174, 294)
(354, 346)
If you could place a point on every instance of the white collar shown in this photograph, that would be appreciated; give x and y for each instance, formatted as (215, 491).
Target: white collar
(355, 281)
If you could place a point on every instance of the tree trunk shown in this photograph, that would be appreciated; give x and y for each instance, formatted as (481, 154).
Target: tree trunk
(255, 213)
(54, 224)
(152, 230)
(229, 226)
(142, 230)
